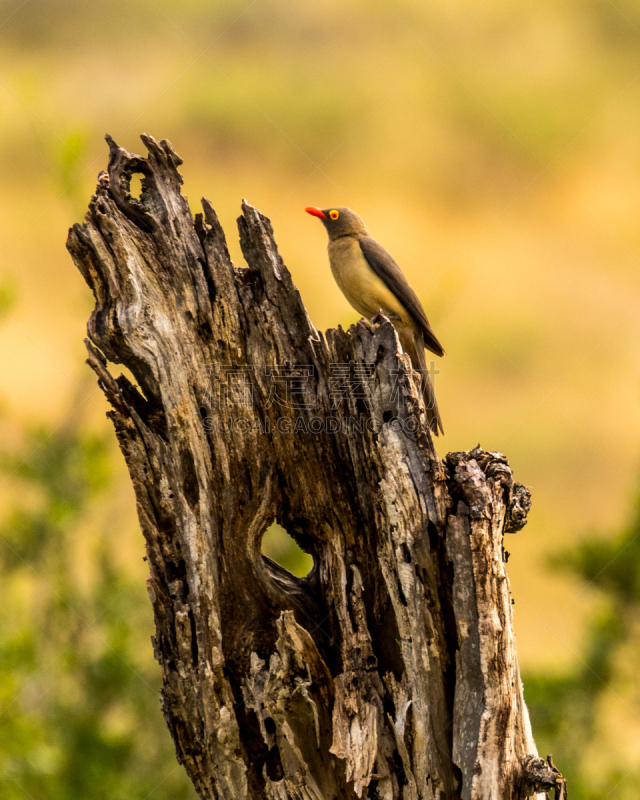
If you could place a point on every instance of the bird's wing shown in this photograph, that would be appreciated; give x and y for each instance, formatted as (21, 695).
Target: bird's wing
(391, 275)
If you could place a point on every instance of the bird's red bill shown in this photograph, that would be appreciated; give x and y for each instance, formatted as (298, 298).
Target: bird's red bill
(316, 212)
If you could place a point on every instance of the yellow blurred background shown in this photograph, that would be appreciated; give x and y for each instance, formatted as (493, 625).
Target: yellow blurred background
(492, 148)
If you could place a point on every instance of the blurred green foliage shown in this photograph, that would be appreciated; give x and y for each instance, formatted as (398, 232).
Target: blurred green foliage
(281, 548)
(569, 710)
(79, 709)
(68, 163)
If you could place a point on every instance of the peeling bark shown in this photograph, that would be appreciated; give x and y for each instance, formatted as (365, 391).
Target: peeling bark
(390, 671)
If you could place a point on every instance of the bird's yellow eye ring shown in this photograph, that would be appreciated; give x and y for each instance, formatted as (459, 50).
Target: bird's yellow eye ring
(334, 214)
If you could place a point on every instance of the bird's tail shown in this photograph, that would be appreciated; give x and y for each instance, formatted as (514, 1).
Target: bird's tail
(428, 391)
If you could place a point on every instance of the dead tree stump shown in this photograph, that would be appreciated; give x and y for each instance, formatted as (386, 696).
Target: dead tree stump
(390, 671)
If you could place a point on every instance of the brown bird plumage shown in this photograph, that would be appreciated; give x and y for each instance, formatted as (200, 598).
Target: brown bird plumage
(372, 281)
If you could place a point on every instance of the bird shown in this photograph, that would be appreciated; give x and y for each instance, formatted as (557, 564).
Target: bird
(371, 281)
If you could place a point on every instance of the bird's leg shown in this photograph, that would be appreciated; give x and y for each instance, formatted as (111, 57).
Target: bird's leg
(384, 316)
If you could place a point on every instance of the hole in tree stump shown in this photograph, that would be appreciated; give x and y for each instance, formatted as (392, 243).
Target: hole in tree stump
(135, 185)
(280, 547)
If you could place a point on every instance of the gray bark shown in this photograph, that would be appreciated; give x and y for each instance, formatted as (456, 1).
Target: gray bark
(390, 671)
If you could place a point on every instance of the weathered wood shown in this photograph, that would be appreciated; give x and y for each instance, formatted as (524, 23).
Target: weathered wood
(388, 672)
(542, 776)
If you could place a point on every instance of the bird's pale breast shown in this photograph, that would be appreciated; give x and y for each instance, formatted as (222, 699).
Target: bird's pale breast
(364, 290)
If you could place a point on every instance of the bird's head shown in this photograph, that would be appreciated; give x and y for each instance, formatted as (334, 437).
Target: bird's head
(339, 221)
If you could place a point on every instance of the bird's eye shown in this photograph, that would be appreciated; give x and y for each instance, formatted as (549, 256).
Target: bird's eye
(334, 214)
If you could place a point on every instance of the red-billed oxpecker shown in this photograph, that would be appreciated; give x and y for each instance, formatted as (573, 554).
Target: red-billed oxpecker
(372, 282)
